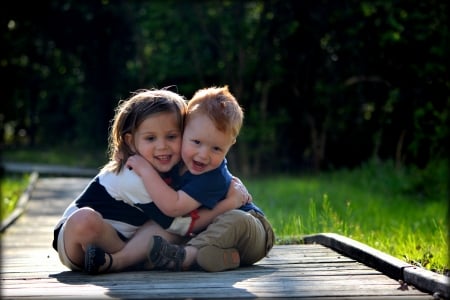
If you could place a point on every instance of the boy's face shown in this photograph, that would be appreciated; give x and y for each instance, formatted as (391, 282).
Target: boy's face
(158, 140)
(204, 146)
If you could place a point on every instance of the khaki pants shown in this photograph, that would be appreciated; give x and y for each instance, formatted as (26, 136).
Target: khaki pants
(248, 232)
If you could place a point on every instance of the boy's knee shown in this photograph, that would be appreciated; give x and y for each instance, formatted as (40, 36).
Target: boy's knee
(234, 216)
(239, 225)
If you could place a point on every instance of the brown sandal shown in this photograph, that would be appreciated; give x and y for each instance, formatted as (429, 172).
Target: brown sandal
(161, 253)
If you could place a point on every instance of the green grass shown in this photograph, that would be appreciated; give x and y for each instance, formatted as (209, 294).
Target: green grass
(12, 187)
(402, 212)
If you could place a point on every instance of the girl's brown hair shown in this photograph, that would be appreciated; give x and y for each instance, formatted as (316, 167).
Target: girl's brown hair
(130, 113)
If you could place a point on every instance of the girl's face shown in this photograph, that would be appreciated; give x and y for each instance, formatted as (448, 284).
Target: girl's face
(204, 146)
(158, 140)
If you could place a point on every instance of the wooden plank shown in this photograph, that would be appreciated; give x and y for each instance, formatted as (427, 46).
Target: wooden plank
(274, 276)
(391, 266)
(436, 284)
(256, 282)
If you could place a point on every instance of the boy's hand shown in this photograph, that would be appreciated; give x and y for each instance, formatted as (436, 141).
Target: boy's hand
(238, 193)
(138, 164)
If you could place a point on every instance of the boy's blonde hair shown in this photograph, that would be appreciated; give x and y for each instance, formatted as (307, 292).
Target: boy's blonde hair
(220, 106)
(129, 115)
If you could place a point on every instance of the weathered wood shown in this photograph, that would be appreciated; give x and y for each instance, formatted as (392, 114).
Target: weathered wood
(438, 284)
(372, 257)
(387, 264)
(30, 268)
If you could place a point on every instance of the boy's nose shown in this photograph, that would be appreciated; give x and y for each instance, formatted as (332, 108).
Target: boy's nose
(203, 152)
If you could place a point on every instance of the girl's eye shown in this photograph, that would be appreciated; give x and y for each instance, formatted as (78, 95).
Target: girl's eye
(172, 137)
(150, 138)
(197, 142)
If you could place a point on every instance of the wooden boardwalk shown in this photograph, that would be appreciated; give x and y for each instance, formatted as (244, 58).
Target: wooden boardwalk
(30, 268)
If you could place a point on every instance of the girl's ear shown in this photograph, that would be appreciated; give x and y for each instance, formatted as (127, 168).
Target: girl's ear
(129, 140)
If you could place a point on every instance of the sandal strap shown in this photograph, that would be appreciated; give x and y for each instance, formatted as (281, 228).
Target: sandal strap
(95, 258)
(162, 253)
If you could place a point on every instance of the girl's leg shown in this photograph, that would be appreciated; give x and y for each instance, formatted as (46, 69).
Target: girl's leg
(136, 249)
(84, 227)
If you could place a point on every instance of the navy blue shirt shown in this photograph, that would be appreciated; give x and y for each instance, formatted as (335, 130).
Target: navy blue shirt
(207, 188)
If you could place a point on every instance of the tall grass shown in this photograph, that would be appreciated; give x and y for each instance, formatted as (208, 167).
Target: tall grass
(401, 212)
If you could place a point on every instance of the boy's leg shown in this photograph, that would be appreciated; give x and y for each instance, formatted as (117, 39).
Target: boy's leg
(217, 241)
(232, 239)
(248, 233)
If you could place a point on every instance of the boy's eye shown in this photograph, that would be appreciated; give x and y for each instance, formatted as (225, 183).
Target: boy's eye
(217, 149)
(172, 137)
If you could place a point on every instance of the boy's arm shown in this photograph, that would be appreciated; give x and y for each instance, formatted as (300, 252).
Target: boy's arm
(172, 203)
(236, 197)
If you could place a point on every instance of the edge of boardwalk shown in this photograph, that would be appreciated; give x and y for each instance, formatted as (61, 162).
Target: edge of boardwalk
(36, 170)
(21, 203)
(431, 282)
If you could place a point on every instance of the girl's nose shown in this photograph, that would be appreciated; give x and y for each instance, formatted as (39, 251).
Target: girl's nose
(161, 144)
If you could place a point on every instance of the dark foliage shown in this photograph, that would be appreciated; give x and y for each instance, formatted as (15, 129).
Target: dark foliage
(324, 84)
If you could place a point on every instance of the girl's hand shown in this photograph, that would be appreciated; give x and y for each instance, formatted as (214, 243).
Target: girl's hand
(238, 194)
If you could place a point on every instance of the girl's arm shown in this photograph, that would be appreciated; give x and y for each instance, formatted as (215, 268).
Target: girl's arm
(172, 203)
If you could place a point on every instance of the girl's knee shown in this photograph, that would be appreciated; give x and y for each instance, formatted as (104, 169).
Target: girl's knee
(85, 220)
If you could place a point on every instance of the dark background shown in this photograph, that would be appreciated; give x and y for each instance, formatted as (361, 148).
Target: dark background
(324, 84)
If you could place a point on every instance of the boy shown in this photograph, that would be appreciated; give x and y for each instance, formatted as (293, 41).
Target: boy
(238, 237)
